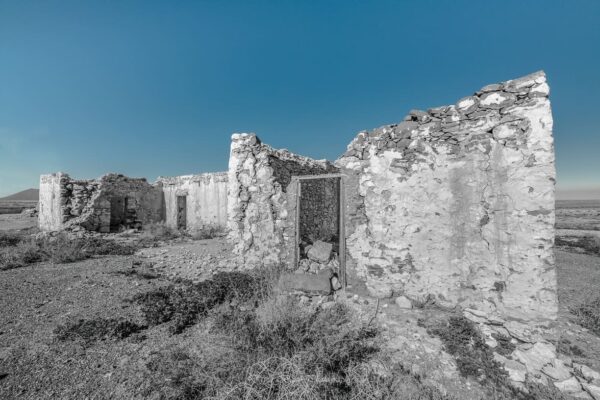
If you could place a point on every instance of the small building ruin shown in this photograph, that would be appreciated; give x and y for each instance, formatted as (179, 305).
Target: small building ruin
(454, 204)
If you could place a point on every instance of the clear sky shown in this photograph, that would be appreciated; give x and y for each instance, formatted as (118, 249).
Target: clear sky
(157, 88)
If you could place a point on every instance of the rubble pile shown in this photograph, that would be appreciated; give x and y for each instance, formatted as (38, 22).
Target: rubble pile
(536, 358)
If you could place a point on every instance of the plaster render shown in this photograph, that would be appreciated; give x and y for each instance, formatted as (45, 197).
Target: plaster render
(206, 199)
(458, 203)
(50, 208)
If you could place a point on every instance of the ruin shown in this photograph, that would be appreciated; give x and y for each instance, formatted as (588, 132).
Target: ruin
(454, 205)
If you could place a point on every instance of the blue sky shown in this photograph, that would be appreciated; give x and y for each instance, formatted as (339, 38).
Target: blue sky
(157, 88)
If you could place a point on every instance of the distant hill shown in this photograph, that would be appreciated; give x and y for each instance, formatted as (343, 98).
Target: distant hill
(578, 194)
(25, 195)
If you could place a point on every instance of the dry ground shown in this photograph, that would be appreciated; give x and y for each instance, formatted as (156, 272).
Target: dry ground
(36, 300)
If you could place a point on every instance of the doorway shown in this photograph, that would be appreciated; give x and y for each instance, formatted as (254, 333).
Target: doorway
(118, 213)
(181, 212)
(319, 227)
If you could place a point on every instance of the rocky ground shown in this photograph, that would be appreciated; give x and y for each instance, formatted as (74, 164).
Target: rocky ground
(36, 300)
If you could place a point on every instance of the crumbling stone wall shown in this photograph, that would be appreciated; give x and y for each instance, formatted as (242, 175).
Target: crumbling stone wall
(86, 204)
(457, 203)
(261, 199)
(206, 199)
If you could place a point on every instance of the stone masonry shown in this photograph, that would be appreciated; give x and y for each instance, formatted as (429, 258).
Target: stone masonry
(454, 204)
(457, 203)
(102, 204)
(261, 204)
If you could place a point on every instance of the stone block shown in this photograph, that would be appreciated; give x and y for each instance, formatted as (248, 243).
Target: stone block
(587, 372)
(320, 251)
(558, 371)
(570, 385)
(537, 357)
(593, 390)
(307, 283)
(403, 302)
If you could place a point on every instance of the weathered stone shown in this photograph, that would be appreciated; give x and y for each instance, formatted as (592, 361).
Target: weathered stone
(538, 356)
(496, 100)
(320, 251)
(335, 283)
(491, 88)
(403, 302)
(581, 395)
(570, 385)
(516, 371)
(541, 89)
(522, 332)
(587, 372)
(308, 283)
(420, 116)
(558, 371)
(467, 104)
(593, 390)
(505, 131)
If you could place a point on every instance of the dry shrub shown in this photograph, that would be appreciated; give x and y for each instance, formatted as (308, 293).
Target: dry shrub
(136, 273)
(207, 232)
(22, 254)
(281, 378)
(323, 343)
(97, 329)
(186, 304)
(10, 238)
(589, 244)
(368, 381)
(588, 314)
(58, 249)
(475, 359)
(153, 233)
(282, 350)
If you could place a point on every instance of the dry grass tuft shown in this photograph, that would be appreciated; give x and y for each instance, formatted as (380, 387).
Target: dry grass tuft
(58, 249)
(588, 314)
(207, 232)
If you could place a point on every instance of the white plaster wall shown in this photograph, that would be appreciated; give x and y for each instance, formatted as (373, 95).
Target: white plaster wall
(464, 214)
(206, 199)
(50, 207)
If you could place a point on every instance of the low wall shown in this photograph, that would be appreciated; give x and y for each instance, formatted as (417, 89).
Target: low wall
(458, 203)
(206, 199)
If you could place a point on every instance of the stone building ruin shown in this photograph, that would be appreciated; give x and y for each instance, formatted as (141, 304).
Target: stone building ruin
(454, 204)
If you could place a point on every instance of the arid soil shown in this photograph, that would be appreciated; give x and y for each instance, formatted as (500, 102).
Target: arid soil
(17, 221)
(36, 300)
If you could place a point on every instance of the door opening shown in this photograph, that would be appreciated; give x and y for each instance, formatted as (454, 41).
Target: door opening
(320, 241)
(117, 213)
(181, 212)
